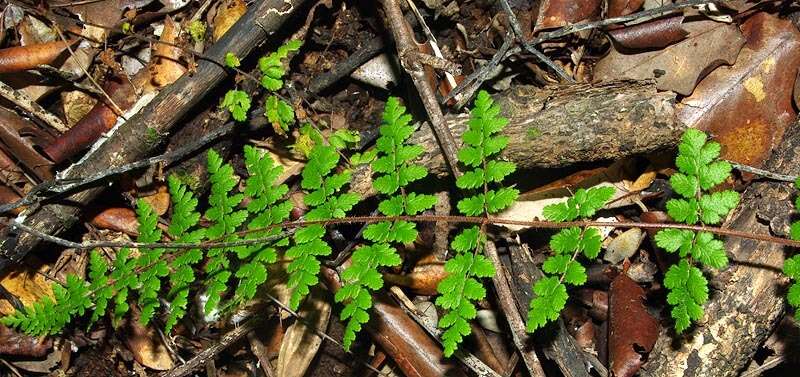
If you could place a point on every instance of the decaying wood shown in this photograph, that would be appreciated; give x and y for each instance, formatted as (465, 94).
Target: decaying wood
(558, 344)
(144, 131)
(560, 126)
(747, 298)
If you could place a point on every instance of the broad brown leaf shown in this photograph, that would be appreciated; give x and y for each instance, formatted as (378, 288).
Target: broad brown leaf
(558, 13)
(747, 106)
(633, 331)
(680, 66)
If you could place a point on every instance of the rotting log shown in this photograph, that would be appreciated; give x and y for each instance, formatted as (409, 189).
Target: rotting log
(144, 131)
(747, 298)
(563, 125)
(559, 126)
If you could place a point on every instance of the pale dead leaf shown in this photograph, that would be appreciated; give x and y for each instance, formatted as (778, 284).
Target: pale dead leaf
(165, 66)
(146, 345)
(27, 284)
(76, 104)
(227, 14)
(624, 245)
(301, 342)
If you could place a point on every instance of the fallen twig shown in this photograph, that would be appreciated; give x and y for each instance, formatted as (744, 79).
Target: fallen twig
(26, 103)
(405, 47)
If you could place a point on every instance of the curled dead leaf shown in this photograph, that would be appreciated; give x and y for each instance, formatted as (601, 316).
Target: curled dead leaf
(228, 13)
(649, 35)
(558, 13)
(21, 58)
(146, 345)
(118, 219)
(423, 280)
(165, 66)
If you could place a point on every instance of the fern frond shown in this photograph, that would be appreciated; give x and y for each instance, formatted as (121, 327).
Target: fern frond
(394, 171)
(266, 210)
(324, 204)
(483, 177)
(563, 267)
(357, 280)
(226, 219)
(150, 261)
(48, 316)
(184, 217)
(458, 292)
(699, 170)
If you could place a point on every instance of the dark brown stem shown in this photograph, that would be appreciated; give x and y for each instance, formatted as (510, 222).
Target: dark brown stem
(540, 224)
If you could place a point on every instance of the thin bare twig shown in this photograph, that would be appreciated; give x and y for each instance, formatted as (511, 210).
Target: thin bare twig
(406, 47)
(515, 321)
(763, 173)
(472, 362)
(52, 189)
(512, 19)
(473, 82)
(655, 12)
(539, 224)
(210, 352)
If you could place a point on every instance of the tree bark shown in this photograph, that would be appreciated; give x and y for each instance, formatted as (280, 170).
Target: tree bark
(747, 298)
(137, 137)
(559, 126)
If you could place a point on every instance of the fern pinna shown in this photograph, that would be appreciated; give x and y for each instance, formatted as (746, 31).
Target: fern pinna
(395, 171)
(461, 287)
(791, 267)
(324, 204)
(277, 110)
(563, 266)
(699, 171)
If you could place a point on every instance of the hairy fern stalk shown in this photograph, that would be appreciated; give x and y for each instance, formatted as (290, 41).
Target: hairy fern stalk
(394, 172)
(462, 287)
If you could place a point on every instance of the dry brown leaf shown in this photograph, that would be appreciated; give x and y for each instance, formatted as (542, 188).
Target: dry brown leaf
(422, 280)
(618, 8)
(680, 66)
(104, 13)
(558, 13)
(159, 201)
(227, 14)
(146, 345)
(632, 329)
(118, 219)
(748, 106)
(301, 342)
(27, 284)
(13, 342)
(165, 66)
